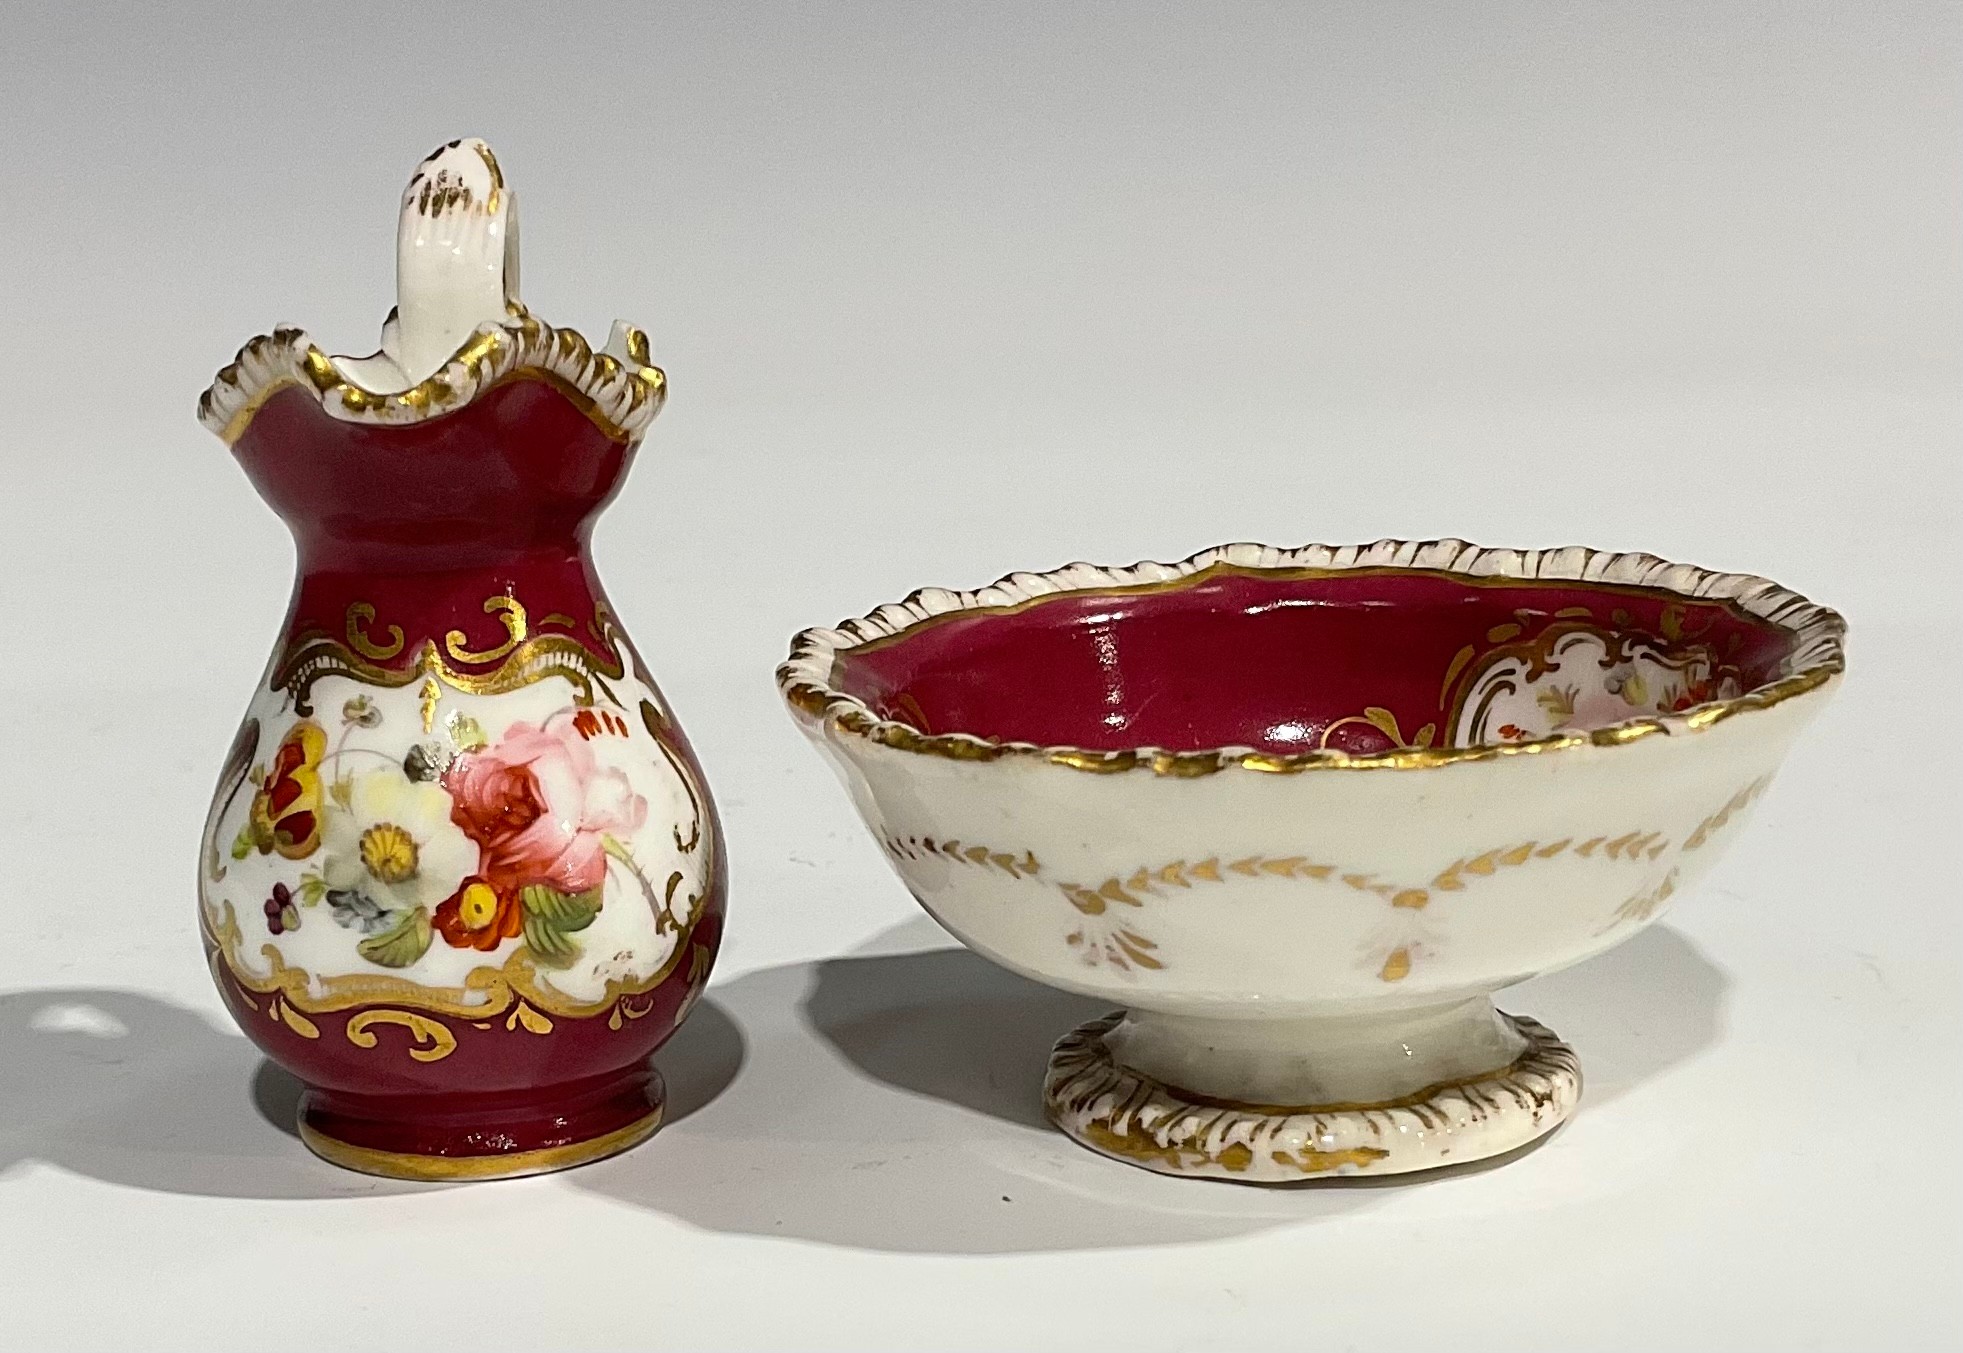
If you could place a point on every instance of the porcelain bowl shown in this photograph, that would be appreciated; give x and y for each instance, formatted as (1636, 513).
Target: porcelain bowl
(1300, 812)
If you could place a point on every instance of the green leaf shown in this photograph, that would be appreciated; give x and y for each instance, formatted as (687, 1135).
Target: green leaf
(312, 888)
(563, 911)
(400, 946)
(242, 844)
(552, 948)
(466, 734)
(551, 918)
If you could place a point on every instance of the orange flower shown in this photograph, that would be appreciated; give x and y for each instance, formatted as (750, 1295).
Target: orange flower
(286, 810)
(590, 723)
(478, 916)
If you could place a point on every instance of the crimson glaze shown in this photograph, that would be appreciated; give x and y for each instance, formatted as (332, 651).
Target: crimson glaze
(403, 534)
(1302, 965)
(461, 874)
(1278, 663)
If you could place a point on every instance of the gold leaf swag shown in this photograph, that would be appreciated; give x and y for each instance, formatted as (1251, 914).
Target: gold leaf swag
(1105, 936)
(523, 658)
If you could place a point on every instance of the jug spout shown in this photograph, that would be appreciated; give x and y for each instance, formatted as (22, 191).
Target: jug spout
(456, 265)
(457, 332)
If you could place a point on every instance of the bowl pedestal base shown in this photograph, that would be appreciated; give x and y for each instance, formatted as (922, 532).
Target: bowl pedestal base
(1283, 1100)
(483, 1136)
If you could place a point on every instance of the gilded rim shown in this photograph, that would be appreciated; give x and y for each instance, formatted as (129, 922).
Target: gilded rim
(1128, 1116)
(619, 392)
(510, 1165)
(805, 678)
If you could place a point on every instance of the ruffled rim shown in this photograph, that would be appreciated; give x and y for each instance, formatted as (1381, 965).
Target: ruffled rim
(805, 678)
(618, 388)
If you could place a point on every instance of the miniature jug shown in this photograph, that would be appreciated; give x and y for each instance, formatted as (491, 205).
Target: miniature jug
(461, 874)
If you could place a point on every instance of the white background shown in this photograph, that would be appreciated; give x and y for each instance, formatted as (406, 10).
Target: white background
(946, 291)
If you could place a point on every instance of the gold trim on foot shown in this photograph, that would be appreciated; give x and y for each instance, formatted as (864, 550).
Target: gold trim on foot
(509, 1165)
(1120, 1113)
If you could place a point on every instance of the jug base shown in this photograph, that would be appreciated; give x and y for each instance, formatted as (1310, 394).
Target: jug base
(419, 1141)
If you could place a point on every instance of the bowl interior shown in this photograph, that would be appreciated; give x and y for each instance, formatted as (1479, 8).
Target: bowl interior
(1362, 660)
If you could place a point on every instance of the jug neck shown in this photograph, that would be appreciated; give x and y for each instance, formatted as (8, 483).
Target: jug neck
(518, 475)
(472, 617)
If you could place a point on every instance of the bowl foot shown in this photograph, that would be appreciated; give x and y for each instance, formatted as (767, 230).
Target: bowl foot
(482, 1136)
(1118, 1110)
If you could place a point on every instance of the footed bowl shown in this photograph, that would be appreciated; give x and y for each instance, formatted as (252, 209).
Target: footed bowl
(1299, 813)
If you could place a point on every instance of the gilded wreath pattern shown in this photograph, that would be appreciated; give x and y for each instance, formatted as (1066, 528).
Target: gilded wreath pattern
(1107, 932)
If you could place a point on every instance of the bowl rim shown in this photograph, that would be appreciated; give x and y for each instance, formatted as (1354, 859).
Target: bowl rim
(804, 679)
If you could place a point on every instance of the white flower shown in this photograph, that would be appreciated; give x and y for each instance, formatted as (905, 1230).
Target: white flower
(394, 843)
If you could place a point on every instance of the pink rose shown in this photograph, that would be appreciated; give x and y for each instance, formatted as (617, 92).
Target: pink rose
(540, 808)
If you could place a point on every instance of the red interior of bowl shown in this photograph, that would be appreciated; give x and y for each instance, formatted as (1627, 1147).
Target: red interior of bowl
(1360, 661)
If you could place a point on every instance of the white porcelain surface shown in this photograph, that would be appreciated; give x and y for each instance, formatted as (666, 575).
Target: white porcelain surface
(388, 763)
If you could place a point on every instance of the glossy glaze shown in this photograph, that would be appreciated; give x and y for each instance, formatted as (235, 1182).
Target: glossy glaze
(1281, 664)
(1300, 812)
(462, 874)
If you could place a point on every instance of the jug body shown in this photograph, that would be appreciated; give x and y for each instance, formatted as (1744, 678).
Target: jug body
(461, 874)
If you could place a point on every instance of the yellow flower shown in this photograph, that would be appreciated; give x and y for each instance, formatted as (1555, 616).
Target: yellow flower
(388, 852)
(285, 814)
(393, 843)
(477, 905)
